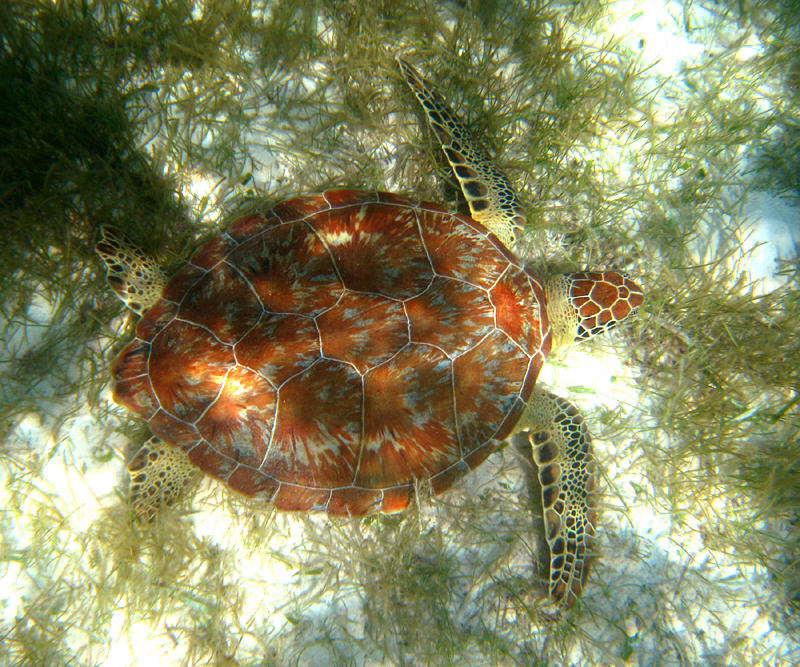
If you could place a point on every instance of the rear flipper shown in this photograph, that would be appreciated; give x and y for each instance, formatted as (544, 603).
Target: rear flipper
(160, 475)
(567, 473)
(492, 201)
(133, 275)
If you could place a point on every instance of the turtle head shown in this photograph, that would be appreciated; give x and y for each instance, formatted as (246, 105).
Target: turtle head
(582, 305)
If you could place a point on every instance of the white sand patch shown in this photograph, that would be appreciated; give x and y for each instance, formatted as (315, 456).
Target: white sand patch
(770, 235)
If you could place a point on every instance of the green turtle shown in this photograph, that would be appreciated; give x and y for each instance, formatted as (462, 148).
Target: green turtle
(332, 352)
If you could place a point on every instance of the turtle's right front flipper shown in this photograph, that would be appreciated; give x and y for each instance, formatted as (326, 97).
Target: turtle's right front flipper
(492, 201)
(567, 474)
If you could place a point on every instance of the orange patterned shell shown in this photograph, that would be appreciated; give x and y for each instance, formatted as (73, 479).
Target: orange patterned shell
(329, 352)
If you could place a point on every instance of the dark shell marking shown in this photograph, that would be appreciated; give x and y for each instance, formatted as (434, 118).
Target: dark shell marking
(329, 353)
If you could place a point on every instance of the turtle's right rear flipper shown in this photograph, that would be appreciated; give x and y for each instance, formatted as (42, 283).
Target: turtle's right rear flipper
(160, 475)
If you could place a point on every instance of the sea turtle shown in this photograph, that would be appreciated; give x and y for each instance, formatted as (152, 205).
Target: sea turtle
(330, 353)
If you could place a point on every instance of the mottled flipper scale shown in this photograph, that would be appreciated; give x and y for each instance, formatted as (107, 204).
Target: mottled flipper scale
(491, 199)
(133, 275)
(160, 474)
(562, 451)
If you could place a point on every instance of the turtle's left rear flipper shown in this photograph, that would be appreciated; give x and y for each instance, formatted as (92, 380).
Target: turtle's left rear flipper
(134, 276)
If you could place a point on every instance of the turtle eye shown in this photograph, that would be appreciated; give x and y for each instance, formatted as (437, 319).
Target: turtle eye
(601, 299)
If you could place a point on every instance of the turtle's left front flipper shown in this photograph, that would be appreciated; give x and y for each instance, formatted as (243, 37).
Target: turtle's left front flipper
(567, 473)
(492, 201)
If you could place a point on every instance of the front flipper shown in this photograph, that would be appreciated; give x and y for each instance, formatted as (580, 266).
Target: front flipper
(160, 474)
(491, 199)
(562, 451)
